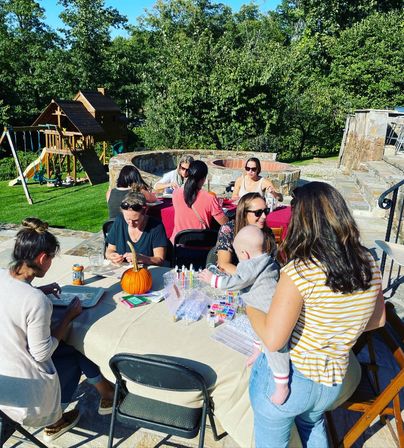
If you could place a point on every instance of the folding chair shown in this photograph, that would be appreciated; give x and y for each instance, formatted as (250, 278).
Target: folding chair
(9, 426)
(278, 232)
(106, 227)
(371, 402)
(193, 246)
(159, 372)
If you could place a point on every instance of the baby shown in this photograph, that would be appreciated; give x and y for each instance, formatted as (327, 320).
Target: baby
(256, 276)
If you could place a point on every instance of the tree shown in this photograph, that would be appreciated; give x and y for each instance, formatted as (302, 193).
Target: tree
(24, 45)
(367, 62)
(211, 81)
(88, 39)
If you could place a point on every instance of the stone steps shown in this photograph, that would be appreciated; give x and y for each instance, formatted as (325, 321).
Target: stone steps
(371, 187)
(385, 172)
(349, 189)
(378, 177)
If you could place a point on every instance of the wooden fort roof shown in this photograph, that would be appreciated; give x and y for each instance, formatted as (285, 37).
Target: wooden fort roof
(96, 101)
(75, 112)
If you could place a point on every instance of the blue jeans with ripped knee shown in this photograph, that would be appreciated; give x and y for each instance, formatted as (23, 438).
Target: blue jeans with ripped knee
(305, 406)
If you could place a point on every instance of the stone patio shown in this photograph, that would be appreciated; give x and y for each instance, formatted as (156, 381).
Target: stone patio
(92, 430)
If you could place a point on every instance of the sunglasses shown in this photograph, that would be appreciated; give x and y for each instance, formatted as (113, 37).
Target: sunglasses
(251, 168)
(259, 212)
(184, 169)
(134, 207)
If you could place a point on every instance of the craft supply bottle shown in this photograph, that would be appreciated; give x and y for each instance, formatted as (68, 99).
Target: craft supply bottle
(212, 319)
(77, 274)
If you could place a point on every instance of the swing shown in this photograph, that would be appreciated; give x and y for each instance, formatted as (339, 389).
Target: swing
(39, 176)
(31, 142)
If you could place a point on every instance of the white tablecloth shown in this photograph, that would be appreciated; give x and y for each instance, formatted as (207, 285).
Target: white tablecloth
(110, 328)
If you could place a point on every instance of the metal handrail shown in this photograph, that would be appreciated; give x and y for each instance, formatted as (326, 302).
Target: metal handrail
(390, 203)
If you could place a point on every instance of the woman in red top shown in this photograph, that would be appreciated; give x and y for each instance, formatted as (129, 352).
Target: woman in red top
(195, 208)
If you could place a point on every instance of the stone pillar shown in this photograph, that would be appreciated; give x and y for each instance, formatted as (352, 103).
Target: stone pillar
(364, 139)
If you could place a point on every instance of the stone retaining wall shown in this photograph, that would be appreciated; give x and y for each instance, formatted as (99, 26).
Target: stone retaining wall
(224, 166)
(365, 137)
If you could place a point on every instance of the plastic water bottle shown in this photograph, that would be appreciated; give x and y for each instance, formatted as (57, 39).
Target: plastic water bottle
(270, 201)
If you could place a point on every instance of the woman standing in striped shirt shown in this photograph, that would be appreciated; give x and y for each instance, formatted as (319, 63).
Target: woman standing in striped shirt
(328, 294)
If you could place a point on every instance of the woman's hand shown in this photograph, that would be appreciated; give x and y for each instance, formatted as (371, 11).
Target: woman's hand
(117, 258)
(205, 276)
(139, 257)
(174, 185)
(73, 309)
(51, 288)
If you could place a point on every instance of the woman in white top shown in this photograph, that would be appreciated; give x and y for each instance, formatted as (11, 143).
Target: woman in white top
(175, 178)
(38, 373)
(252, 182)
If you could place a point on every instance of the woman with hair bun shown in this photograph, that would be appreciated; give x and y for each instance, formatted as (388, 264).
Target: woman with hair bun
(38, 372)
(328, 294)
(195, 208)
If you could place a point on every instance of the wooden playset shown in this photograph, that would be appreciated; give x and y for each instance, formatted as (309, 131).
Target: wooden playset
(67, 131)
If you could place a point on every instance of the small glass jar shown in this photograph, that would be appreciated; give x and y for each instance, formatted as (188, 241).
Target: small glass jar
(77, 274)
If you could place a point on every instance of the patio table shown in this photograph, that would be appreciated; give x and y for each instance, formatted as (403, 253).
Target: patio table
(110, 327)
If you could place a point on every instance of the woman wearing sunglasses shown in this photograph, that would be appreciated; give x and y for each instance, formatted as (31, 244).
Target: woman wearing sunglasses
(252, 182)
(129, 179)
(175, 178)
(145, 233)
(328, 294)
(251, 210)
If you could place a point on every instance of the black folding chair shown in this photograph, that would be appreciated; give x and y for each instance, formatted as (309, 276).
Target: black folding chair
(8, 427)
(193, 246)
(106, 227)
(159, 372)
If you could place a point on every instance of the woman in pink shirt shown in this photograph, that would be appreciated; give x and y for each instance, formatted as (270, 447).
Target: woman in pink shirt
(195, 208)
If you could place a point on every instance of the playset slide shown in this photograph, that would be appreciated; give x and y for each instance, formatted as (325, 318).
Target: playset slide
(92, 166)
(31, 169)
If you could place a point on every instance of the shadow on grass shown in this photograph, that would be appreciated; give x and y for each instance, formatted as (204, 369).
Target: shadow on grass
(58, 196)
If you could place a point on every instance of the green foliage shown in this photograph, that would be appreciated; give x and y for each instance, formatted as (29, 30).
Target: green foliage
(88, 38)
(195, 74)
(8, 168)
(366, 62)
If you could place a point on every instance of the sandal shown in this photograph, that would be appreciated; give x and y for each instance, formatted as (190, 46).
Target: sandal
(105, 406)
(69, 420)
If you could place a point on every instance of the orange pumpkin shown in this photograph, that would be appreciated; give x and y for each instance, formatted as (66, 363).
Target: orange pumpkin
(136, 280)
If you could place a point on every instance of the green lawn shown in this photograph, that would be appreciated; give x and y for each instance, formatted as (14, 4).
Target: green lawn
(312, 161)
(82, 207)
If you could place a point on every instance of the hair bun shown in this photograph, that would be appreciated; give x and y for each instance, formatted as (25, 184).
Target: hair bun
(35, 224)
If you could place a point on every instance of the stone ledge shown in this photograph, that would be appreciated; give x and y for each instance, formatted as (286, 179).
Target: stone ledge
(224, 166)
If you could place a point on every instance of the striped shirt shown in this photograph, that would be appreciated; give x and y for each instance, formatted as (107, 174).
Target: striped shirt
(329, 323)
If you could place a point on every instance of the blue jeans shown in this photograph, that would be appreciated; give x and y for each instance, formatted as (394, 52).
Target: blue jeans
(305, 406)
(70, 364)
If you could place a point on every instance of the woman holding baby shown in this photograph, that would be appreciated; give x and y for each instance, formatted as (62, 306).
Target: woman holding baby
(329, 292)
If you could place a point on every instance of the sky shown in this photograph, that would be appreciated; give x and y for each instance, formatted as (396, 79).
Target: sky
(135, 8)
